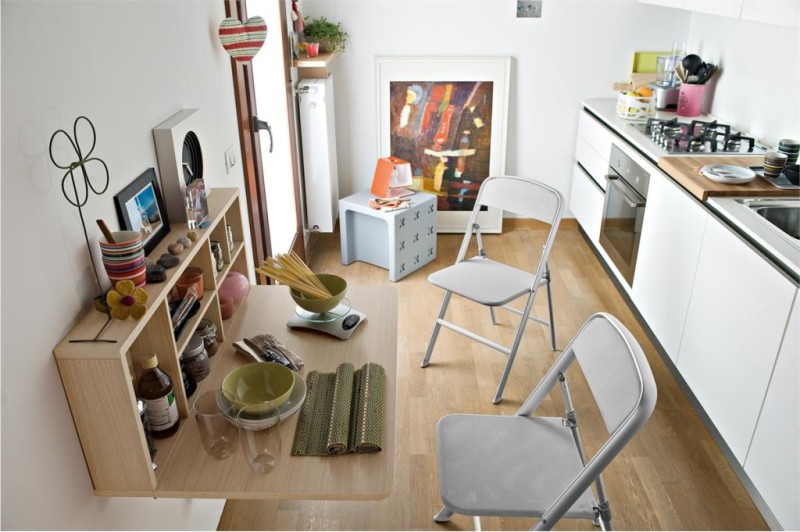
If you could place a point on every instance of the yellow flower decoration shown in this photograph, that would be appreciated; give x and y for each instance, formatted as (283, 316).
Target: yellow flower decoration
(127, 300)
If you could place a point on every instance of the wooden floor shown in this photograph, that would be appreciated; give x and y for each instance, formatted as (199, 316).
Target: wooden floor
(672, 476)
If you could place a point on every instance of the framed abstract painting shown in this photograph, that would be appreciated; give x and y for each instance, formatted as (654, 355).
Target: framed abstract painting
(446, 116)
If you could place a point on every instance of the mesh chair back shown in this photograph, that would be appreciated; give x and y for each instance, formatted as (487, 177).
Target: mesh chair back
(616, 369)
(522, 196)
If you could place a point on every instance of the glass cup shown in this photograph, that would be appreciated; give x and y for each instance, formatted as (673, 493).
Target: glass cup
(259, 430)
(215, 415)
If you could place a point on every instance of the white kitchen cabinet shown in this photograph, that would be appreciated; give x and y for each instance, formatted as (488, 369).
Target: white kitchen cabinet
(725, 8)
(669, 249)
(664, 3)
(596, 135)
(773, 463)
(735, 322)
(586, 203)
(781, 12)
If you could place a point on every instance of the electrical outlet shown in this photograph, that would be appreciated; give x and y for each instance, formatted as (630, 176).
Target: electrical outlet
(230, 159)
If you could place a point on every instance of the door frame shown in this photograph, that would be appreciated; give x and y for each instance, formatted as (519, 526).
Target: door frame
(255, 188)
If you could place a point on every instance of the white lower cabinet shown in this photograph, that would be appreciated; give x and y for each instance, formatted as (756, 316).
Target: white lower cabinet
(773, 463)
(734, 326)
(669, 249)
(586, 203)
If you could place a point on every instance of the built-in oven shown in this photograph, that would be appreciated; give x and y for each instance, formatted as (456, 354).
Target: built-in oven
(623, 211)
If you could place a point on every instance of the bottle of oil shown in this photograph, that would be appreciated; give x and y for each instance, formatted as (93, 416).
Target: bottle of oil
(155, 388)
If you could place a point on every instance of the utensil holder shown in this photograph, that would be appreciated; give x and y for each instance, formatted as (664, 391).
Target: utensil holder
(690, 99)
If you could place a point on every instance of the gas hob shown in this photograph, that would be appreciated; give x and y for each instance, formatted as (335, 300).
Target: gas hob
(697, 138)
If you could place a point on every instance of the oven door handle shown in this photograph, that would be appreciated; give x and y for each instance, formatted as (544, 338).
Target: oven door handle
(625, 191)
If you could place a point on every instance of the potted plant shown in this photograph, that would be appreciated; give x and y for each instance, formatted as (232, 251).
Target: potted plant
(328, 34)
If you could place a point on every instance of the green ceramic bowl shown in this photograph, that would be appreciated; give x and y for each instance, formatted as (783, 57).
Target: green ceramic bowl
(335, 284)
(265, 383)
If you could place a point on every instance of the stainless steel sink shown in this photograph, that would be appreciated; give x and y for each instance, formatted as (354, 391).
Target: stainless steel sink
(782, 213)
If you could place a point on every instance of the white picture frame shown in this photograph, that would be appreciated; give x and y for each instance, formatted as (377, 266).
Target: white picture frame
(441, 69)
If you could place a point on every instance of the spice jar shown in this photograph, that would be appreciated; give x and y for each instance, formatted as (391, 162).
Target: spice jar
(208, 332)
(195, 359)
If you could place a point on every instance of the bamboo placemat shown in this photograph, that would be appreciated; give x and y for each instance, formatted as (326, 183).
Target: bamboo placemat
(343, 412)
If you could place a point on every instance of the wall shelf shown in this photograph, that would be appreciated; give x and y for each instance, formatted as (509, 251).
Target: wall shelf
(99, 378)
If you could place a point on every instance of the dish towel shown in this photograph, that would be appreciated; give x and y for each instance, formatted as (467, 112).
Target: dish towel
(344, 412)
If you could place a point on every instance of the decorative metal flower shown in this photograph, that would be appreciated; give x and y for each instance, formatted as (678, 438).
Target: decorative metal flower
(127, 300)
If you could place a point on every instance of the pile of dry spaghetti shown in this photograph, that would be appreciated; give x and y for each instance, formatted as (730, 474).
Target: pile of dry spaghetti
(289, 269)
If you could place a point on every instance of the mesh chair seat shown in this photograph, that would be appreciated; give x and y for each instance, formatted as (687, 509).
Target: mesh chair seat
(484, 281)
(513, 466)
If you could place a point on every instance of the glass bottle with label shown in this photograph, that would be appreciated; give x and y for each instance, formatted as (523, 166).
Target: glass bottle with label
(156, 390)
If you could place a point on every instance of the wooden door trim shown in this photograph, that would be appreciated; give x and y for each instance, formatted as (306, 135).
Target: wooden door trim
(255, 194)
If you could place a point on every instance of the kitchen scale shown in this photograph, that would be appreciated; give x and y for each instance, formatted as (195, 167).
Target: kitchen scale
(340, 322)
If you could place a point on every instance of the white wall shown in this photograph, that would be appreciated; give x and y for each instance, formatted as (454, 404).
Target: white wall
(758, 89)
(127, 65)
(577, 50)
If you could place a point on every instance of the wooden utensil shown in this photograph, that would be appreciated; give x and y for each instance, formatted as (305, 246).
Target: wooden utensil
(106, 232)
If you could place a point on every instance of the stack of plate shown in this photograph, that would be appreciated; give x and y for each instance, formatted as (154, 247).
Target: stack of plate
(124, 259)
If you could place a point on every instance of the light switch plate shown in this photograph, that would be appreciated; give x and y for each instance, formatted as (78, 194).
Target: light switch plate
(230, 158)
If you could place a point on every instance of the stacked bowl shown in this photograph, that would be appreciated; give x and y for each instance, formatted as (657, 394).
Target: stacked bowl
(790, 148)
(124, 258)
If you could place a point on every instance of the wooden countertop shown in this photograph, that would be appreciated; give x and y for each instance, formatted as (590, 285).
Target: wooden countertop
(187, 471)
(686, 171)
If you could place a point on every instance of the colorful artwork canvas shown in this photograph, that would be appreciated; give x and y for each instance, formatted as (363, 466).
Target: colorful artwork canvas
(444, 129)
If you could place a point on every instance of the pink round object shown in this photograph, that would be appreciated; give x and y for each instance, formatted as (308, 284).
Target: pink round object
(235, 286)
(226, 307)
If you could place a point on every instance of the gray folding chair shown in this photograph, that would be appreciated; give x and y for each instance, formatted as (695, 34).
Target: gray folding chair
(528, 466)
(494, 284)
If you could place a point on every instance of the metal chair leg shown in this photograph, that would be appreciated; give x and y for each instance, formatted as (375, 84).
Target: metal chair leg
(513, 351)
(550, 309)
(491, 313)
(444, 515)
(446, 301)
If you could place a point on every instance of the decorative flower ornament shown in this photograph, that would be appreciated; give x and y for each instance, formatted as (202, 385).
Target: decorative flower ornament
(127, 300)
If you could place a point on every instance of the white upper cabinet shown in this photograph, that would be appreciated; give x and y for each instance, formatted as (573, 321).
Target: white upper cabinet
(669, 249)
(665, 3)
(734, 326)
(781, 12)
(725, 8)
(773, 463)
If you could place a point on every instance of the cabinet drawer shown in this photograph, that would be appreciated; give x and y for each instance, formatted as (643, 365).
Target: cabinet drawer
(586, 203)
(598, 136)
(594, 163)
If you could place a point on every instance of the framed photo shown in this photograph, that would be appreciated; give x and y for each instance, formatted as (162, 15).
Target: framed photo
(140, 207)
(447, 116)
(196, 203)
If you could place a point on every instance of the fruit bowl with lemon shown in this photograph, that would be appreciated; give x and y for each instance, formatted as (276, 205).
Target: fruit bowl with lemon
(639, 104)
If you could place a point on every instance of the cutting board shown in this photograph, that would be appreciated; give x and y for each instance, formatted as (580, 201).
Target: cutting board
(686, 171)
(646, 62)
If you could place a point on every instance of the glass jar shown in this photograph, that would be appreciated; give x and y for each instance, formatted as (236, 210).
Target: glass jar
(229, 234)
(208, 332)
(195, 359)
(217, 251)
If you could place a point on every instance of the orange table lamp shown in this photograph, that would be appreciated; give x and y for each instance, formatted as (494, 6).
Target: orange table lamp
(391, 177)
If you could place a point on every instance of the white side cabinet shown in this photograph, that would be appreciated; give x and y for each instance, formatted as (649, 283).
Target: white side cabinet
(781, 12)
(773, 463)
(672, 234)
(734, 326)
